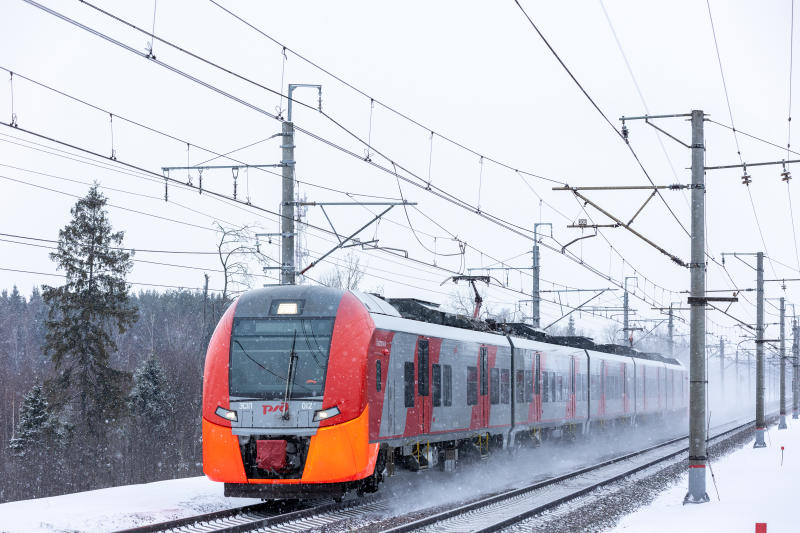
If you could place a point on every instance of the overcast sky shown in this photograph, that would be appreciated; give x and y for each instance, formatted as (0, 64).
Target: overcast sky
(474, 72)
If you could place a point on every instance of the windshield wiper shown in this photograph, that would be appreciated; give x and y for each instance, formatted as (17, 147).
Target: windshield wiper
(290, 378)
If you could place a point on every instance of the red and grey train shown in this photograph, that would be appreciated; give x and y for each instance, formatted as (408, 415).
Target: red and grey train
(314, 391)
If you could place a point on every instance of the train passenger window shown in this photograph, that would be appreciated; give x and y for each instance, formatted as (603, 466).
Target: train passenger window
(437, 385)
(505, 385)
(537, 375)
(546, 386)
(448, 385)
(528, 385)
(519, 387)
(494, 386)
(559, 388)
(553, 392)
(472, 385)
(378, 375)
(484, 371)
(422, 383)
(408, 378)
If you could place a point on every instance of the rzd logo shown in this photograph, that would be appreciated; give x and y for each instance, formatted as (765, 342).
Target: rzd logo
(278, 408)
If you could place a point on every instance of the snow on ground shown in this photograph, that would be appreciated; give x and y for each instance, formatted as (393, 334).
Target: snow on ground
(753, 487)
(117, 507)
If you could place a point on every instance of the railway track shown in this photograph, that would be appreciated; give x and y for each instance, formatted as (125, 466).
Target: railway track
(508, 508)
(237, 519)
(485, 514)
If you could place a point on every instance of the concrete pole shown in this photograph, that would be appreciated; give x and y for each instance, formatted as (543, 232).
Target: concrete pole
(625, 328)
(760, 421)
(670, 331)
(626, 331)
(782, 384)
(535, 298)
(697, 334)
(535, 294)
(750, 372)
(722, 369)
(795, 368)
(736, 387)
(288, 268)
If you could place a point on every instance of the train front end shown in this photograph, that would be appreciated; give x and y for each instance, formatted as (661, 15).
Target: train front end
(284, 404)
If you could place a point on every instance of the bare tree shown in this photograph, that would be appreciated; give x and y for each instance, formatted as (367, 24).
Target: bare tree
(237, 252)
(611, 334)
(346, 276)
(462, 301)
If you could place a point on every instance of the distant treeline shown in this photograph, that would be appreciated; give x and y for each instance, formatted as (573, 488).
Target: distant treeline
(156, 433)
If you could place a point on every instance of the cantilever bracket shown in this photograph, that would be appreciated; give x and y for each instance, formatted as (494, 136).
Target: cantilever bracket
(573, 241)
(576, 192)
(342, 242)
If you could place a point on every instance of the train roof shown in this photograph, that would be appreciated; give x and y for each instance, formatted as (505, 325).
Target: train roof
(422, 311)
(323, 301)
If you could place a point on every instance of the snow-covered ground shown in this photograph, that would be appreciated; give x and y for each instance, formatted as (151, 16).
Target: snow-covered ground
(753, 487)
(117, 508)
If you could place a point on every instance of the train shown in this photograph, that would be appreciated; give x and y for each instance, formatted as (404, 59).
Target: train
(311, 391)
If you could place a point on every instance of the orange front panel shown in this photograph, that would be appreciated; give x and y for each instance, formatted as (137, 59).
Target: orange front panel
(336, 454)
(222, 460)
(341, 452)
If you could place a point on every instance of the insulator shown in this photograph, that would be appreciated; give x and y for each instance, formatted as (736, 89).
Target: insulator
(786, 175)
(625, 132)
(746, 180)
(235, 171)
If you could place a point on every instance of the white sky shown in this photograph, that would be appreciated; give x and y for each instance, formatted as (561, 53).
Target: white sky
(473, 71)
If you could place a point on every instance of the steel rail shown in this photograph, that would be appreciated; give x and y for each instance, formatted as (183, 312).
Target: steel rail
(254, 517)
(255, 513)
(485, 502)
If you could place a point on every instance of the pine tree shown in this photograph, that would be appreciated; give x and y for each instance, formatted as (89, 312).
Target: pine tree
(84, 312)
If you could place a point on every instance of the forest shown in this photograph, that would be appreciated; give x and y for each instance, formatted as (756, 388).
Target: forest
(160, 357)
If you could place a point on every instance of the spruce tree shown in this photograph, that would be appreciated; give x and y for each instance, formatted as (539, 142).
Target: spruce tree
(150, 405)
(84, 313)
(34, 427)
(37, 445)
(571, 326)
(150, 399)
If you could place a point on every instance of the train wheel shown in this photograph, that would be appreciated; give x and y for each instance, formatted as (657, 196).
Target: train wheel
(370, 484)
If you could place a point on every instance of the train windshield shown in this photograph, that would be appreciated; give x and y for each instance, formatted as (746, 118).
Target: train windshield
(261, 357)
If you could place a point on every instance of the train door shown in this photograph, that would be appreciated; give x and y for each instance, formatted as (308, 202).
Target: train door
(483, 399)
(380, 391)
(571, 395)
(537, 386)
(603, 396)
(423, 384)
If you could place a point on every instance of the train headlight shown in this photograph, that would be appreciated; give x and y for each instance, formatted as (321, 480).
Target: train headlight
(324, 414)
(227, 414)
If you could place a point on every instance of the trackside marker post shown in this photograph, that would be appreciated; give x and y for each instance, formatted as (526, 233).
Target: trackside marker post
(761, 527)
